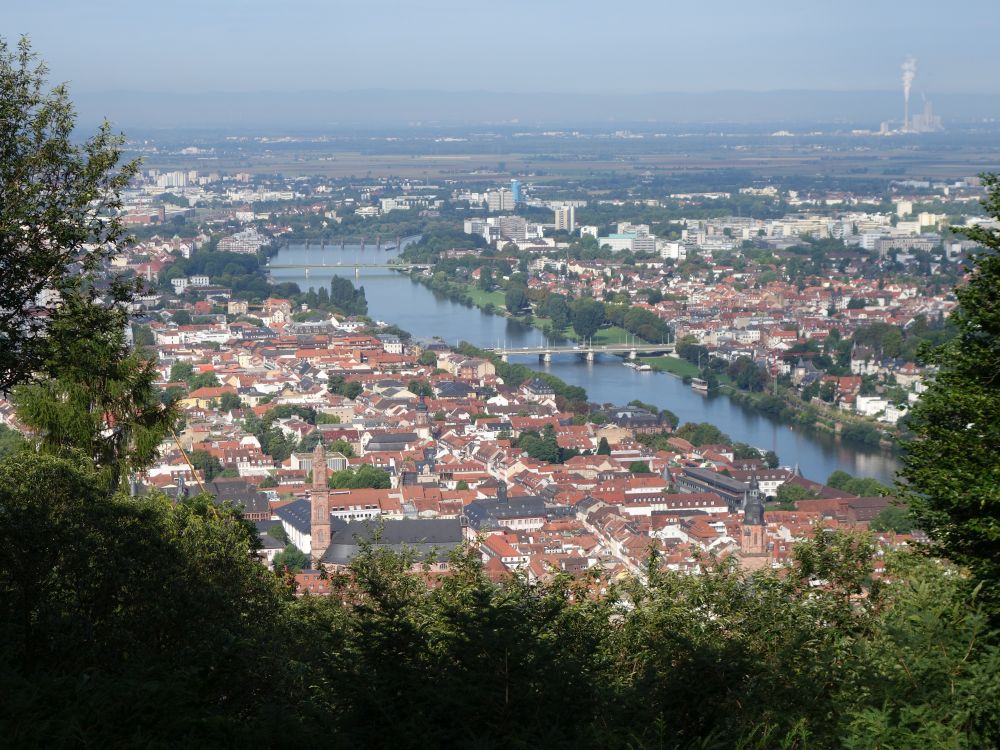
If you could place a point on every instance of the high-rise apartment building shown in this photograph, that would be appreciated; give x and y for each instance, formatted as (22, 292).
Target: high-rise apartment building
(565, 219)
(500, 200)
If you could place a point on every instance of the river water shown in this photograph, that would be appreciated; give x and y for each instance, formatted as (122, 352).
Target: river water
(395, 298)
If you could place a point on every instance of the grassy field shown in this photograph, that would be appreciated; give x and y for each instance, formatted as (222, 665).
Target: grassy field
(481, 298)
(676, 365)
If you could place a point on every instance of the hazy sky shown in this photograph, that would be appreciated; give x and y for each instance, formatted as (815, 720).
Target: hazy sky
(620, 46)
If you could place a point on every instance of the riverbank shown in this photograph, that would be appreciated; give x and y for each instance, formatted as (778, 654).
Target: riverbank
(782, 405)
(494, 303)
(394, 296)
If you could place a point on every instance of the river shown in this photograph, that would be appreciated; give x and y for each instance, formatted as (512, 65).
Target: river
(395, 298)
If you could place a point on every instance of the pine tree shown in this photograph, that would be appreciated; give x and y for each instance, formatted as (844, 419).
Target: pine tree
(952, 467)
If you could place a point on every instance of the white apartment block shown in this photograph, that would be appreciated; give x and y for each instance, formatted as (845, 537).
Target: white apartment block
(565, 219)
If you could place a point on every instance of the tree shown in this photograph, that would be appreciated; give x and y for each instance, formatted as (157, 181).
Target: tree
(420, 388)
(838, 479)
(10, 441)
(291, 558)
(60, 220)
(588, 317)
(952, 466)
(771, 459)
(209, 466)
(181, 371)
(516, 300)
(342, 447)
(204, 380)
(702, 433)
(743, 451)
(143, 336)
(541, 447)
(893, 518)
(230, 401)
(87, 576)
(366, 476)
(639, 467)
(427, 358)
(462, 485)
(558, 311)
(603, 449)
(94, 393)
(309, 442)
(346, 298)
(485, 279)
(788, 494)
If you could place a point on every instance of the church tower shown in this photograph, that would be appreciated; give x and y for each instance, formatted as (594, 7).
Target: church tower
(320, 501)
(754, 539)
(422, 422)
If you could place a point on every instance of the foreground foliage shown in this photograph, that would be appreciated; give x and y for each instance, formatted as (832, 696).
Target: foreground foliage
(58, 207)
(953, 465)
(134, 622)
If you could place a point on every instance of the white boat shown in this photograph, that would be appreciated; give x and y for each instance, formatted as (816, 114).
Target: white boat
(644, 368)
(699, 385)
(629, 363)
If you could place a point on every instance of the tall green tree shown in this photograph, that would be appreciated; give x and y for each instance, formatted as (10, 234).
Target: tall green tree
(516, 299)
(588, 317)
(94, 393)
(952, 467)
(59, 217)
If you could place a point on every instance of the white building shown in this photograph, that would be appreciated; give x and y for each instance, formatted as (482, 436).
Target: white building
(500, 200)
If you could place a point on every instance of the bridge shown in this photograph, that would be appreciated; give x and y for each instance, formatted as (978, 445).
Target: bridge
(546, 351)
(358, 267)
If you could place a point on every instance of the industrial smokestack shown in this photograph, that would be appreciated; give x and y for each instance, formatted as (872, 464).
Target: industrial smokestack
(909, 69)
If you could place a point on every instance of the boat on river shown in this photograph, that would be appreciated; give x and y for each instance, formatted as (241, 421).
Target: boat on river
(699, 386)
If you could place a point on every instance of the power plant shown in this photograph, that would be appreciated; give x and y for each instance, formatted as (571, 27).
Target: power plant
(923, 122)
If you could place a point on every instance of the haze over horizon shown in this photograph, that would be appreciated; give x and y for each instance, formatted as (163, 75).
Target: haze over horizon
(629, 47)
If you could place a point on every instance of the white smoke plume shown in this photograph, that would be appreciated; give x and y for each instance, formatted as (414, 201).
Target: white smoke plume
(909, 73)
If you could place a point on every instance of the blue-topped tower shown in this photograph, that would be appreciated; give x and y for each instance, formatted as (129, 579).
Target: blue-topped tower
(515, 191)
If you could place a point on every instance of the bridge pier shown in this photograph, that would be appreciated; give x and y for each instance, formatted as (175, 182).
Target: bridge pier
(590, 355)
(631, 354)
(357, 272)
(504, 358)
(545, 357)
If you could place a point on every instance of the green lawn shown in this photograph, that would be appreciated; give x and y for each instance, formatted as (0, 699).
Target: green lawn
(481, 298)
(675, 365)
